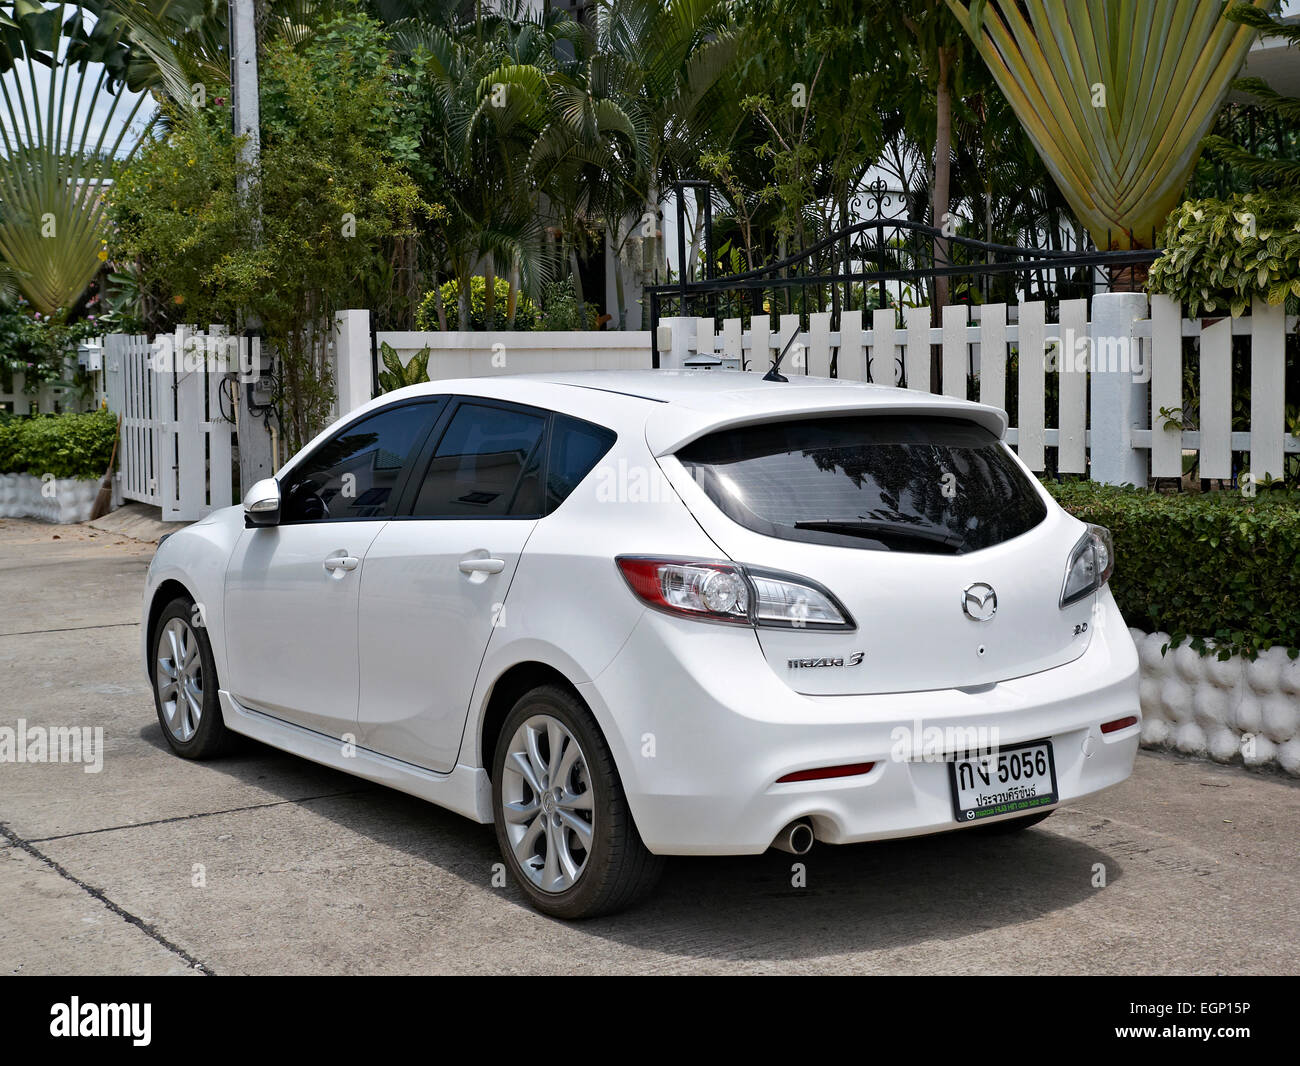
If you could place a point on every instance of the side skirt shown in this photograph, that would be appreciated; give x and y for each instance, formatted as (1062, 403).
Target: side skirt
(466, 790)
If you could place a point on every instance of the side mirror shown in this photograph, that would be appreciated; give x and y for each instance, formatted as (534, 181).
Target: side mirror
(262, 504)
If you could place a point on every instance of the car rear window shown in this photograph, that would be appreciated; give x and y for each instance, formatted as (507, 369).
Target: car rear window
(884, 483)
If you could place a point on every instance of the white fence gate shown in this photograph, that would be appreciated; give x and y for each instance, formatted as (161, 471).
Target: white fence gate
(175, 450)
(1122, 367)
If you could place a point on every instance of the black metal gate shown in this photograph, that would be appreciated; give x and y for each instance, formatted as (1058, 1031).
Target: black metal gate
(871, 264)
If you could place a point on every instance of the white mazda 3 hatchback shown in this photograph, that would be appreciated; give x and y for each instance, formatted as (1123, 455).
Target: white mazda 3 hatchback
(623, 615)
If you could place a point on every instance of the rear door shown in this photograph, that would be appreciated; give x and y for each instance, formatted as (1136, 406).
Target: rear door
(437, 577)
(926, 528)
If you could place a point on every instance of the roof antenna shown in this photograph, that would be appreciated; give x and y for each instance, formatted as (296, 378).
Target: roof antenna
(775, 373)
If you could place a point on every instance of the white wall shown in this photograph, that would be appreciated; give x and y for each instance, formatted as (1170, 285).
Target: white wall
(457, 354)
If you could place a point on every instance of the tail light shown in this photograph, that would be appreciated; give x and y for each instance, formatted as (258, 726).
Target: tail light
(1092, 561)
(729, 592)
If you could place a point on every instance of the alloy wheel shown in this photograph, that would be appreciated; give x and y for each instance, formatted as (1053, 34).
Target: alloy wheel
(180, 679)
(547, 803)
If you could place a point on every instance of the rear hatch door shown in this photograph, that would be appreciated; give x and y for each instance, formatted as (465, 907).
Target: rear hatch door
(942, 548)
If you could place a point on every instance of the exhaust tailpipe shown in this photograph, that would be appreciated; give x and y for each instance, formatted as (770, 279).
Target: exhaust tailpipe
(796, 838)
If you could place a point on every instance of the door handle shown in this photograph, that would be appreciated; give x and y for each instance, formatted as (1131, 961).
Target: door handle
(482, 566)
(341, 562)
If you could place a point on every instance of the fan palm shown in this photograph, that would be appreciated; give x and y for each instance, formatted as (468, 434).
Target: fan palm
(1115, 95)
(59, 153)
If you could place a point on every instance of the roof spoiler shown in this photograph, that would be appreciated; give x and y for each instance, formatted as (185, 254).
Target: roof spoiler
(672, 428)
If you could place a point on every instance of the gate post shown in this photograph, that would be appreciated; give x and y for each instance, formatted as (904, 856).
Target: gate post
(1119, 387)
(676, 347)
(352, 359)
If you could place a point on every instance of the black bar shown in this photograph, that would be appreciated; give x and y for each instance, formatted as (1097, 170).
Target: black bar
(681, 242)
(654, 330)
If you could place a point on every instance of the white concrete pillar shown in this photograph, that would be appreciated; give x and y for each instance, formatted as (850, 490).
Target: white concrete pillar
(1119, 390)
(676, 342)
(354, 379)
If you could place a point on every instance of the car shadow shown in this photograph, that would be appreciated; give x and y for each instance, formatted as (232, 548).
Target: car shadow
(834, 900)
(865, 897)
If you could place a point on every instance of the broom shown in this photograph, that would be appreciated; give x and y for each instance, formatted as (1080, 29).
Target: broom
(104, 497)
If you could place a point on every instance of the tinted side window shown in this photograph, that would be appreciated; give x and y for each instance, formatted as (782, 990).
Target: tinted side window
(576, 447)
(488, 463)
(354, 474)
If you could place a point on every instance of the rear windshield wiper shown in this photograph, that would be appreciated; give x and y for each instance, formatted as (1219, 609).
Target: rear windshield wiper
(882, 529)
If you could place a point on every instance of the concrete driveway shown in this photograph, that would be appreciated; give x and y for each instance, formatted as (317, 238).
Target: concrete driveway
(264, 863)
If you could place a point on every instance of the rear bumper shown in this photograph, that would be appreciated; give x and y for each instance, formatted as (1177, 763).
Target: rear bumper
(701, 728)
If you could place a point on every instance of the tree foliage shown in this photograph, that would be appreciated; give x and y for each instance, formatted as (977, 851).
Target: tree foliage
(1221, 254)
(1263, 171)
(332, 197)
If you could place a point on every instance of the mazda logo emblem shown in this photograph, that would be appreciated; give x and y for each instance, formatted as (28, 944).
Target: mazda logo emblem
(979, 601)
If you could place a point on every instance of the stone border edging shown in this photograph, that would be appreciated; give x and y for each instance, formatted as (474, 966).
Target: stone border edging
(1229, 711)
(25, 496)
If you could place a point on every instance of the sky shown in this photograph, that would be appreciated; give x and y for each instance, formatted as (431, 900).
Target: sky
(100, 107)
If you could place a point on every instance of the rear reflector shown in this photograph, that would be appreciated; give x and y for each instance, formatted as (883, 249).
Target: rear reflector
(1118, 724)
(848, 770)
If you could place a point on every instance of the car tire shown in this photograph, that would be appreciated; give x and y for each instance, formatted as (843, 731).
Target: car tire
(189, 710)
(536, 815)
(1012, 825)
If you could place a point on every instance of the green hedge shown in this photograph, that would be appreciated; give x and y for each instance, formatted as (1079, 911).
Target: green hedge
(63, 445)
(1213, 565)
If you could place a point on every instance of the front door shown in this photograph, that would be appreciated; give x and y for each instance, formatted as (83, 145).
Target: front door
(292, 590)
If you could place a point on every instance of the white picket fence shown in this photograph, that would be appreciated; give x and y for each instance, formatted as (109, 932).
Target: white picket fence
(175, 445)
(1123, 365)
(17, 401)
(47, 397)
(1116, 369)
(1267, 439)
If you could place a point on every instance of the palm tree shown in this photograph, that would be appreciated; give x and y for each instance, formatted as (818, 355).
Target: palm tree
(469, 156)
(517, 103)
(1115, 95)
(59, 153)
(664, 67)
(591, 159)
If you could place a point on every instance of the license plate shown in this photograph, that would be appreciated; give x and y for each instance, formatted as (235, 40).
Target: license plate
(1006, 781)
